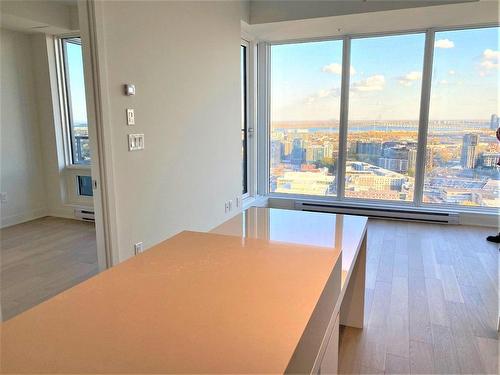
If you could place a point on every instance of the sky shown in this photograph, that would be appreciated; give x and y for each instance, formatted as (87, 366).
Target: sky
(385, 77)
(76, 83)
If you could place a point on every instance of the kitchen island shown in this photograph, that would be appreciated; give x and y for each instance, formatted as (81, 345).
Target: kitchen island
(195, 303)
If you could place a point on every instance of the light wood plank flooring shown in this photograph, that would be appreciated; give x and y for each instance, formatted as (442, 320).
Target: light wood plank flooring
(431, 302)
(43, 257)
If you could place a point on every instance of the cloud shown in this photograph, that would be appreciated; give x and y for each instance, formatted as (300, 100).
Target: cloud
(491, 55)
(451, 72)
(323, 94)
(443, 82)
(444, 43)
(490, 59)
(336, 68)
(372, 83)
(408, 79)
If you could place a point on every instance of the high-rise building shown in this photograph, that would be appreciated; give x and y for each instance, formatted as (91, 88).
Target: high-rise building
(298, 152)
(276, 153)
(429, 158)
(494, 122)
(287, 148)
(489, 159)
(329, 150)
(412, 160)
(368, 148)
(469, 144)
(395, 165)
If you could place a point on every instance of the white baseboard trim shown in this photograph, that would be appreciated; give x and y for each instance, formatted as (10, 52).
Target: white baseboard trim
(66, 212)
(23, 217)
(482, 220)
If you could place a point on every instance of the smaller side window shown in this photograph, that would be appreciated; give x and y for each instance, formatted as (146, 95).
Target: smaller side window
(84, 184)
(73, 103)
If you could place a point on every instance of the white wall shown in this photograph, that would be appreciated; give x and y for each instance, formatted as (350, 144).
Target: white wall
(377, 22)
(183, 58)
(245, 10)
(56, 17)
(22, 175)
(279, 10)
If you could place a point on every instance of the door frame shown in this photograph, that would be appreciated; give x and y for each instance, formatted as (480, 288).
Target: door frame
(100, 137)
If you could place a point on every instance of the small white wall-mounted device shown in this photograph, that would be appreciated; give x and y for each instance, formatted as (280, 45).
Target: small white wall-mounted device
(130, 116)
(138, 248)
(129, 89)
(135, 142)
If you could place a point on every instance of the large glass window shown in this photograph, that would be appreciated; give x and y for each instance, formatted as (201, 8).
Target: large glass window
(244, 116)
(305, 111)
(459, 162)
(73, 99)
(384, 106)
(462, 149)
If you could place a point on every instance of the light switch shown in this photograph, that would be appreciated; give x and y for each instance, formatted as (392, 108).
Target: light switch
(129, 89)
(130, 116)
(135, 142)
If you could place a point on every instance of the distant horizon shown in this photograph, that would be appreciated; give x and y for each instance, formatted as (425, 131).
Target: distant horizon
(384, 120)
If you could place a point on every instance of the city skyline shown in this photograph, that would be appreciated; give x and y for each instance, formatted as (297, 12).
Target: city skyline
(460, 167)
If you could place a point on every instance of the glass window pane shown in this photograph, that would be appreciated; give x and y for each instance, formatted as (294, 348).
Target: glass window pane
(75, 89)
(384, 106)
(305, 111)
(462, 149)
(85, 186)
(244, 149)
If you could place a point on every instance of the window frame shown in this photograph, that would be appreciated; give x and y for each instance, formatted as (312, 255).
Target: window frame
(252, 131)
(64, 93)
(245, 116)
(424, 105)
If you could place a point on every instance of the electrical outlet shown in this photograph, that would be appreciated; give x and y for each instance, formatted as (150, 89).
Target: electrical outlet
(135, 142)
(130, 116)
(138, 248)
(226, 207)
(3, 197)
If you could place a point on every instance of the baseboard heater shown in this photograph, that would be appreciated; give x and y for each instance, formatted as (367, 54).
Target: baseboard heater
(379, 213)
(84, 214)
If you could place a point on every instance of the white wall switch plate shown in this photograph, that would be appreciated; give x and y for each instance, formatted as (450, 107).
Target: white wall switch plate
(130, 116)
(135, 142)
(129, 89)
(3, 197)
(138, 248)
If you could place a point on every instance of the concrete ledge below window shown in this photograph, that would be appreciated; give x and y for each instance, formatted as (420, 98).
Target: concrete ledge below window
(257, 201)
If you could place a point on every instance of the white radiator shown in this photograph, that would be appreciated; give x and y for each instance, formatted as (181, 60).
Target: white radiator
(381, 213)
(84, 214)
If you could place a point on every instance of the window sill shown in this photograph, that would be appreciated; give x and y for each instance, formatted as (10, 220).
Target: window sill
(256, 201)
(83, 167)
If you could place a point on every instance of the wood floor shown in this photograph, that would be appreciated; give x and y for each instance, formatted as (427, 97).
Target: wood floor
(431, 291)
(431, 302)
(41, 258)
